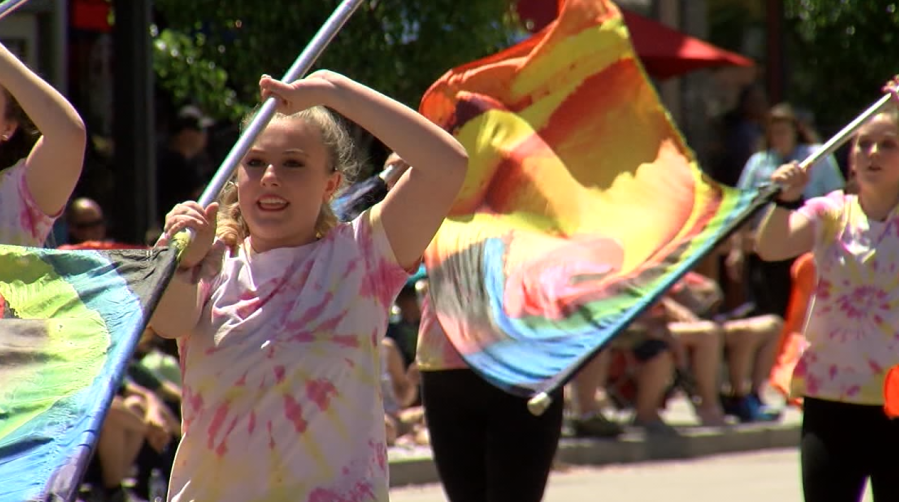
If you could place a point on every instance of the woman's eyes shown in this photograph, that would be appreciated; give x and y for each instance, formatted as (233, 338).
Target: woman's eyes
(253, 162)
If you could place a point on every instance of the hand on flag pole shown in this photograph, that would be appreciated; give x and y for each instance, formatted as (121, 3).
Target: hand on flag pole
(294, 97)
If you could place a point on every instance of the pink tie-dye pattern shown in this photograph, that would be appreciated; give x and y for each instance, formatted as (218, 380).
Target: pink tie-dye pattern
(359, 492)
(293, 410)
(320, 392)
(380, 452)
(435, 351)
(301, 314)
(22, 222)
(852, 325)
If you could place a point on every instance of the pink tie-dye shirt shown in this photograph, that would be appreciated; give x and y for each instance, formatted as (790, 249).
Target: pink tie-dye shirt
(852, 330)
(22, 222)
(435, 351)
(281, 377)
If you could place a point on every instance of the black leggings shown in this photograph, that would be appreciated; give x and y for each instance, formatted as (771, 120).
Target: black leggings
(845, 444)
(487, 445)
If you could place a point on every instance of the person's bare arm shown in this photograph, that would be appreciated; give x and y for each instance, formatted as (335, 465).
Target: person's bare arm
(416, 207)
(783, 233)
(179, 308)
(54, 165)
(403, 388)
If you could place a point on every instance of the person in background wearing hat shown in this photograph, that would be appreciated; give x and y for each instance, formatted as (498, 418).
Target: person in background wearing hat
(179, 170)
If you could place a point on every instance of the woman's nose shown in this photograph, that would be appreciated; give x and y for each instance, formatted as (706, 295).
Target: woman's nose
(269, 176)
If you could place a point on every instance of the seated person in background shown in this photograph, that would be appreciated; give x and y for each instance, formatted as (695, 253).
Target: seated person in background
(589, 419)
(403, 328)
(640, 374)
(143, 420)
(644, 359)
(697, 348)
(689, 348)
(750, 345)
(137, 420)
(399, 389)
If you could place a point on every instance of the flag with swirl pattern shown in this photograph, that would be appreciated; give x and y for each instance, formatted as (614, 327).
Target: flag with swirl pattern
(69, 321)
(582, 204)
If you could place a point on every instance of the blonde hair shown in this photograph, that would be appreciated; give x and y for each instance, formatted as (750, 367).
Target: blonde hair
(890, 110)
(338, 143)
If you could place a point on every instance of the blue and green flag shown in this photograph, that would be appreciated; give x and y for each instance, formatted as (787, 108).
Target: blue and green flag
(69, 321)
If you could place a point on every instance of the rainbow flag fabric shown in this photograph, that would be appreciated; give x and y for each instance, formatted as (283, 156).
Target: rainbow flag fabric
(582, 204)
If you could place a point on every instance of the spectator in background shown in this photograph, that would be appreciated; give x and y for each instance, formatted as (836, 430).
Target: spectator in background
(742, 131)
(786, 140)
(589, 419)
(85, 221)
(403, 328)
(180, 172)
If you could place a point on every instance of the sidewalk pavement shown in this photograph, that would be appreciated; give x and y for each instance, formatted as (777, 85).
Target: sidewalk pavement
(415, 466)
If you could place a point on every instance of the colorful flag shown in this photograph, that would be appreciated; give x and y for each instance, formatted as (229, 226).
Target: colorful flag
(582, 204)
(69, 321)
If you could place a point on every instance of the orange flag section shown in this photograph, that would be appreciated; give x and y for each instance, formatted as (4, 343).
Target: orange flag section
(567, 139)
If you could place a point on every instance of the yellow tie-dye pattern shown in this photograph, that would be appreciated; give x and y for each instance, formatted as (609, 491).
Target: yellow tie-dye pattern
(853, 322)
(258, 453)
(586, 53)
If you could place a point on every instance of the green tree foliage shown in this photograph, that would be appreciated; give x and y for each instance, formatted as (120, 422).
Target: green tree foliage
(399, 47)
(188, 75)
(842, 54)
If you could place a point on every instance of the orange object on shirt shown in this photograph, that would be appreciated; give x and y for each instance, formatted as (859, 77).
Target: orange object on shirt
(792, 339)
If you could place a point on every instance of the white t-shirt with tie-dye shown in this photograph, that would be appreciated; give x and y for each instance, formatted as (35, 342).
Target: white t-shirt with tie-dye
(22, 223)
(281, 377)
(852, 330)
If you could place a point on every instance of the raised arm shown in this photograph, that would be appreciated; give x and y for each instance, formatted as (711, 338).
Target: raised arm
(417, 205)
(415, 208)
(54, 164)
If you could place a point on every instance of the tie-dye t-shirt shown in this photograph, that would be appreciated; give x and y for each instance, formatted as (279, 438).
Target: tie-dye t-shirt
(281, 377)
(852, 330)
(435, 351)
(22, 222)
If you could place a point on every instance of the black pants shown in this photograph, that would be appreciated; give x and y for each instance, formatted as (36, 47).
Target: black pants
(845, 444)
(769, 284)
(487, 446)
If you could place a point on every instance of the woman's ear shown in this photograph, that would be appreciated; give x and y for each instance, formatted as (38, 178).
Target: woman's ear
(9, 129)
(333, 184)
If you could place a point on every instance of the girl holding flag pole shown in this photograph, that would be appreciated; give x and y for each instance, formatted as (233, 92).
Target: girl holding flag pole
(852, 328)
(279, 344)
